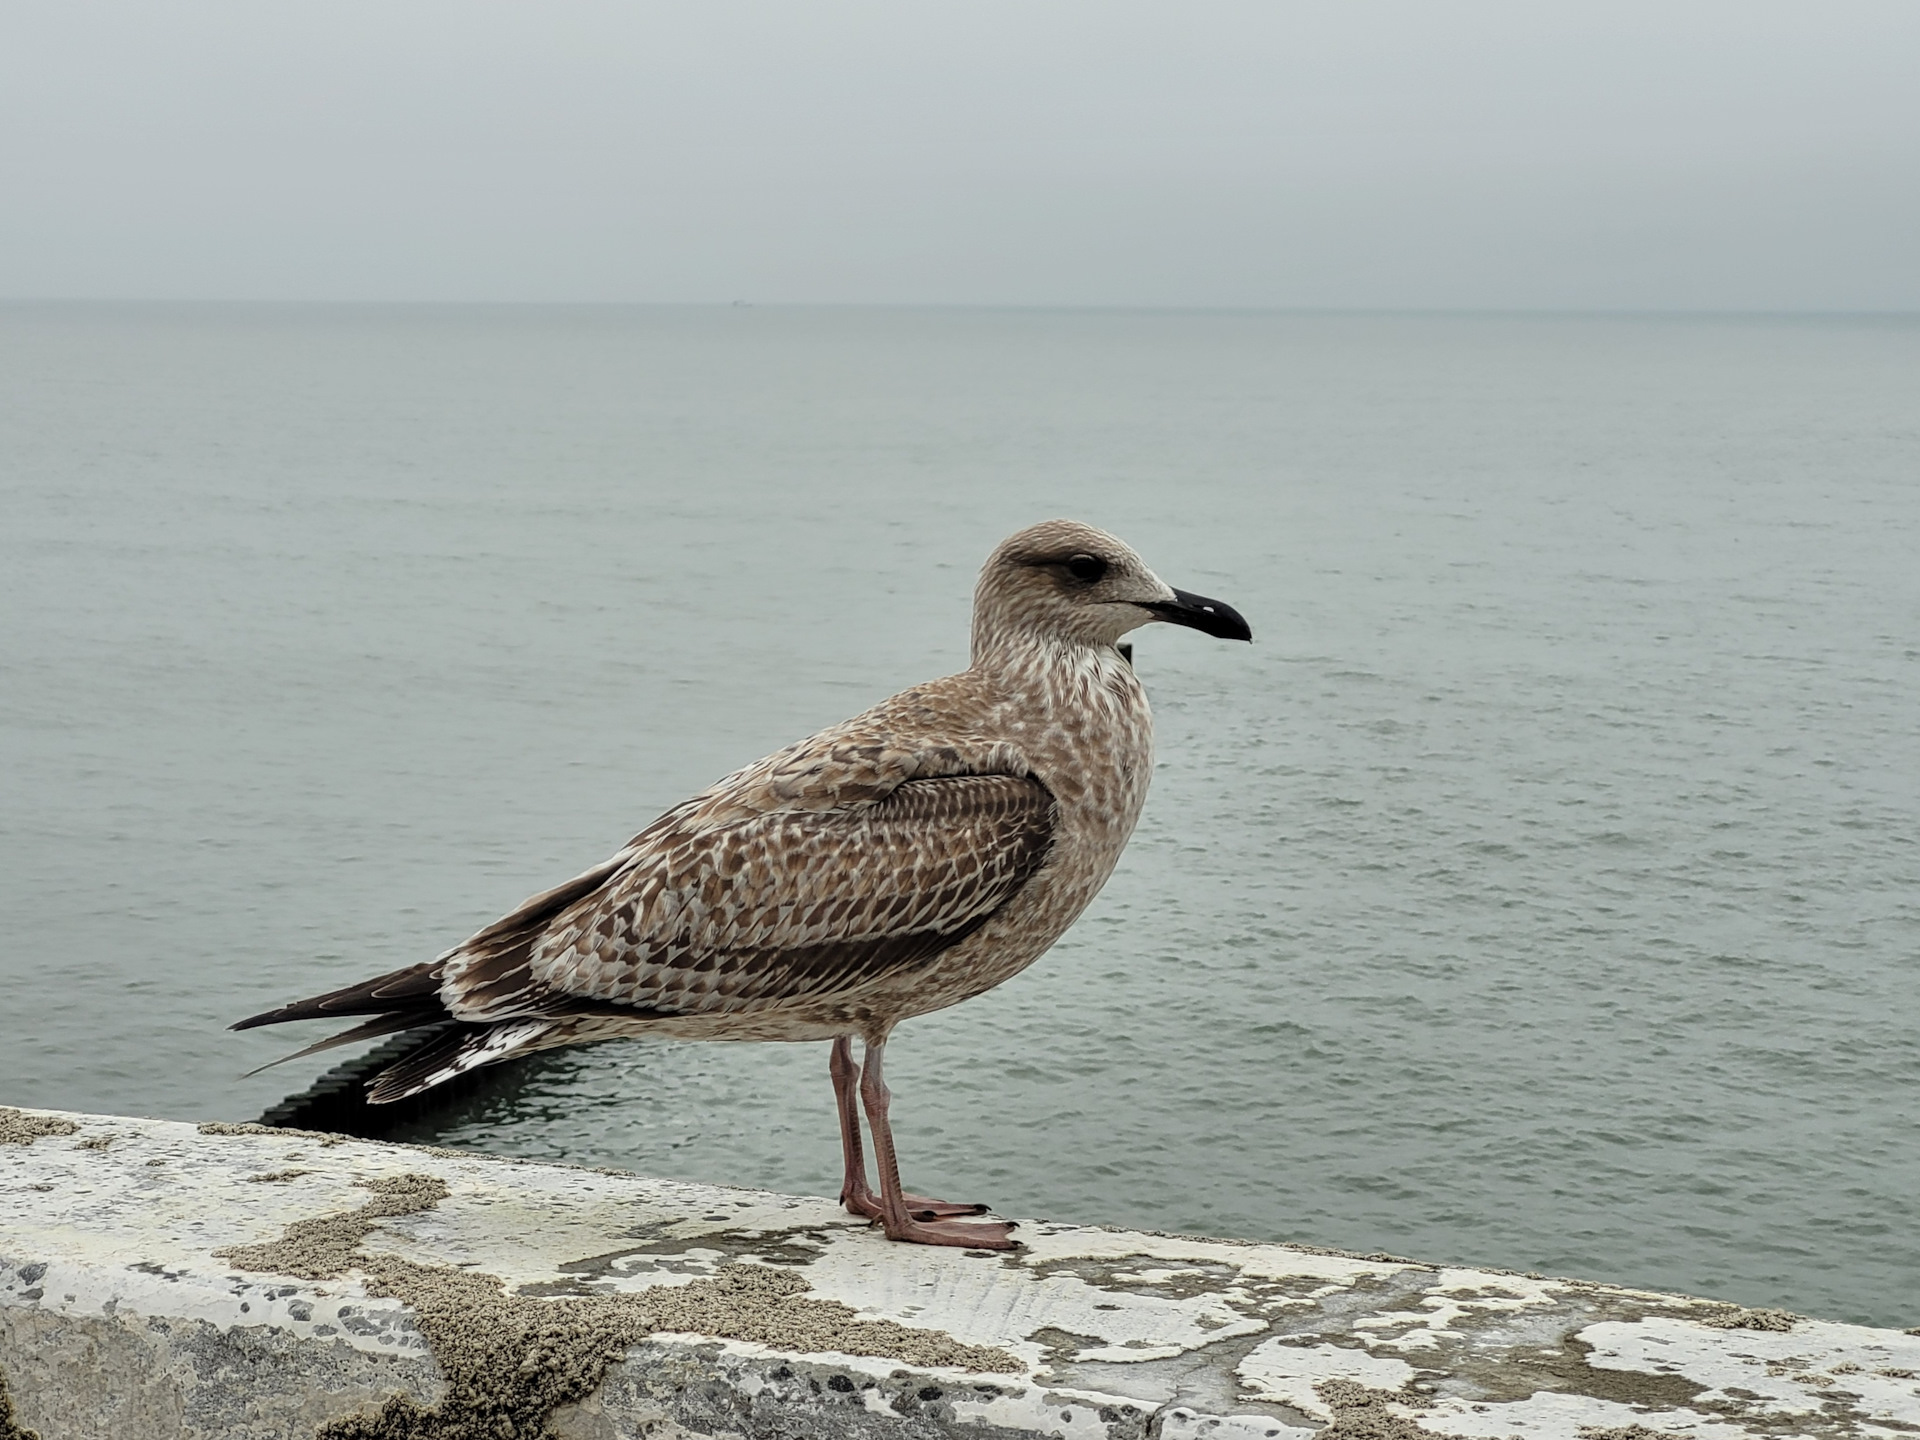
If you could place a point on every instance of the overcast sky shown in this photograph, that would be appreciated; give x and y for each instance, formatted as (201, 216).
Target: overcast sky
(1373, 153)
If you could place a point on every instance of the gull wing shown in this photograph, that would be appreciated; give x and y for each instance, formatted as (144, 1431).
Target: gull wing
(765, 908)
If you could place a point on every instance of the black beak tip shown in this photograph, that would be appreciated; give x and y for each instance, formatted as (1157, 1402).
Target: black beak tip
(1210, 617)
(1232, 625)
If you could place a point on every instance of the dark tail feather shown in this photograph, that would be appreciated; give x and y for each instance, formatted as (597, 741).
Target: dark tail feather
(414, 991)
(409, 999)
(466, 1048)
(379, 1025)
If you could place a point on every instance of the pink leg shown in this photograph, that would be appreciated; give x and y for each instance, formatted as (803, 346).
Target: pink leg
(896, 1208)
(855, 1193)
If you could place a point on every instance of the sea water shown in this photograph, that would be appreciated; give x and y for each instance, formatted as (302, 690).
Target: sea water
(1541, 889)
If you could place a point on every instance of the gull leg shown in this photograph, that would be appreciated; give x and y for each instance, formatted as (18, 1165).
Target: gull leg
(855, 1193)
(898, 1212)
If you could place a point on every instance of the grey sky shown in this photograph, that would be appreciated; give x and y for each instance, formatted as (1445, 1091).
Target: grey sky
(1723, 153)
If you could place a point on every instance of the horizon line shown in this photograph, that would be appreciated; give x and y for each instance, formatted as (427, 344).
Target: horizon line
(1001, 307)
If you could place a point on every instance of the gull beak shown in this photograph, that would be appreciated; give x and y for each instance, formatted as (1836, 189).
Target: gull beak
(1211, 617)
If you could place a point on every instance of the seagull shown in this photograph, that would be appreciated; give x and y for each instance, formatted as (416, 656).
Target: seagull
(905, 860)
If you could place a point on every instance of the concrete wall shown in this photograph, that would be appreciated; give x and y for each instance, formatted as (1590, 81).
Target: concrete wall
(159, 1280)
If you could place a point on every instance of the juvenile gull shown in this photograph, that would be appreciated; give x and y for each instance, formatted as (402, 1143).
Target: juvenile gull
(903, 861)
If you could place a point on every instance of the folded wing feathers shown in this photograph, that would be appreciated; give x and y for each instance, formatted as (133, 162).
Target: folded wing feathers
(412, 991)
(379, 1025)
(774, 907)
(534, 911)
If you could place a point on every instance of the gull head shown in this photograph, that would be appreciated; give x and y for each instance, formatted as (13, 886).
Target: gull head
(1062, 581)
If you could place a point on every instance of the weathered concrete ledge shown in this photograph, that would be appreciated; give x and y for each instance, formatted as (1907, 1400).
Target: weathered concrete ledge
(237, 1283)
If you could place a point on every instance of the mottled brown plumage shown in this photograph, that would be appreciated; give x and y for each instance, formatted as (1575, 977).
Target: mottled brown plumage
(898, 863)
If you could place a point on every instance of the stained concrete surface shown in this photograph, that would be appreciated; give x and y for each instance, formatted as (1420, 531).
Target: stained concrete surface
(164, 1280)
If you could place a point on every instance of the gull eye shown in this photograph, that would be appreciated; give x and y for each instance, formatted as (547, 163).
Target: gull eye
(1087, 568)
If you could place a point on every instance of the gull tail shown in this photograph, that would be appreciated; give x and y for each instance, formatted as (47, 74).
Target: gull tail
(461, 1050)
(409, 999)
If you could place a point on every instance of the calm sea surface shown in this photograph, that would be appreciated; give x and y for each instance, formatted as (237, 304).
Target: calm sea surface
(1541, 889)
